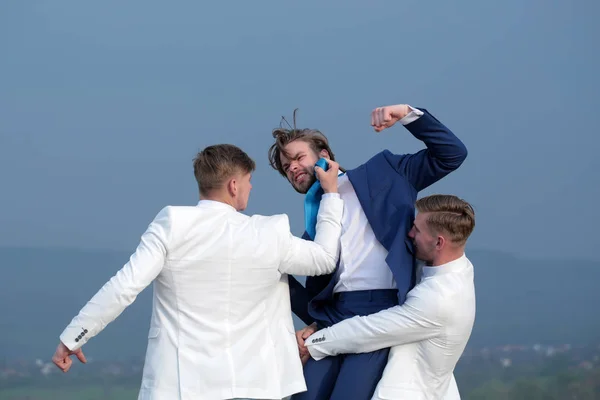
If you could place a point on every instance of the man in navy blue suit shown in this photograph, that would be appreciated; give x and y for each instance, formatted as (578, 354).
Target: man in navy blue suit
(377, 266)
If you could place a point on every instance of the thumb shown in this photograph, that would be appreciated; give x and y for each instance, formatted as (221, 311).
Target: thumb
(387, 114)
(80, 355)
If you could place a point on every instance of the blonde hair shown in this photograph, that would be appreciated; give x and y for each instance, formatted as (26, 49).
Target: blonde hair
(214, 165)
(449, 214)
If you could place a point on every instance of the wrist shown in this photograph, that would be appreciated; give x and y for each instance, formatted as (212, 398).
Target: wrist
(402, 111)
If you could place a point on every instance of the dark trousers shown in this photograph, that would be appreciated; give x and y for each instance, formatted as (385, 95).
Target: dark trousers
(347, 376)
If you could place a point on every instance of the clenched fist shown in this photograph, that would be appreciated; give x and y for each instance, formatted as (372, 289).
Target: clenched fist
(384, 117)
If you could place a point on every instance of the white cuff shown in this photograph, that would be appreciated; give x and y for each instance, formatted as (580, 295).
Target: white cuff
(74, 337)
(315, 353)
(412, 116)
(315, 345)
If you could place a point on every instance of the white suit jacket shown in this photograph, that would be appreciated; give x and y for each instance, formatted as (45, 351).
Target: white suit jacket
(221, 322)
(429, 333)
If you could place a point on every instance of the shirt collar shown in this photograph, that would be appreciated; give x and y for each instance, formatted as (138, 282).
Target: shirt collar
(451, 266)
(215, 205)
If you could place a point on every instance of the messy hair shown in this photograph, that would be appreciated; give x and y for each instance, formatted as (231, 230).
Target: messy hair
(285, 135)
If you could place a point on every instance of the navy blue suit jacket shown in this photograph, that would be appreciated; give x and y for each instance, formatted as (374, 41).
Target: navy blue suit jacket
(387, 186)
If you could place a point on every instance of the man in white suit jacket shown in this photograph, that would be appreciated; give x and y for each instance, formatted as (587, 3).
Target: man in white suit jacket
(431, 329)
(221, 322)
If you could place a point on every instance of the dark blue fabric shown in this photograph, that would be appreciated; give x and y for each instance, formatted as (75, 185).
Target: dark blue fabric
(387, 186)
(348, 376)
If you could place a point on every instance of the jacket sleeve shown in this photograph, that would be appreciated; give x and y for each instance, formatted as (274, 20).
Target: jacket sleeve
(419, 318)
(444, 152)
(318, 257)
(122, 289)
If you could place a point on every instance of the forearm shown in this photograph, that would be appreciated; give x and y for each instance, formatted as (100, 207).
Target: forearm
(444, 152)
(106, 305)
(444, 147)
(395, 326)
(329, 226)
(320, 256)
(122, 289)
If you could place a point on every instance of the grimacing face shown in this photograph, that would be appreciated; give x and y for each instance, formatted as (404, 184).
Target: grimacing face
(299, 167)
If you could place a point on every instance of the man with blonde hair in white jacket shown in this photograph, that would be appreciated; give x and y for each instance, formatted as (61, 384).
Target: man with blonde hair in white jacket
(221, 322)
(429, 331)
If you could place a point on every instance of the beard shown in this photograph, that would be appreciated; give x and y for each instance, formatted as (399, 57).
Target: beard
(303, 186)
(424, 255)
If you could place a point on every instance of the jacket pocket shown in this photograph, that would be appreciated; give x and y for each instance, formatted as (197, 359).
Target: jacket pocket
(153, 333)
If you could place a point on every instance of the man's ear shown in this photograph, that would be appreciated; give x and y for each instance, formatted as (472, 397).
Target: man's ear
(232, 187)
(441, 242)
(324, 154)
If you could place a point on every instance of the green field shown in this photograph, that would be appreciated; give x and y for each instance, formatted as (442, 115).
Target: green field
(87, 393)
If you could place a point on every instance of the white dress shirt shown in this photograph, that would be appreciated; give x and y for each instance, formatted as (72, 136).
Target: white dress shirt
(429, 333)
(221, 322)
(362, 258)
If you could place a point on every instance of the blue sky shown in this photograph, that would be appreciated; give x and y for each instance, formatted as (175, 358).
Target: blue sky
(104, 105)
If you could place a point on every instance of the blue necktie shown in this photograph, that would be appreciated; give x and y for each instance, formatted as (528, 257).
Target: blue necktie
(311, 208)
(312, 201)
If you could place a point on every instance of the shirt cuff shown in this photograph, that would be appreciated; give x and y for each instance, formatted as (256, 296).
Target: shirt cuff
(331, 195)
(412, 116)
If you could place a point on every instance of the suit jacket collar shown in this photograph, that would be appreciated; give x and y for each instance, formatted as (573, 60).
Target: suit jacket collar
(217, 205)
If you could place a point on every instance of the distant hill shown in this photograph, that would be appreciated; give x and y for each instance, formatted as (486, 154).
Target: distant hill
(519, 301)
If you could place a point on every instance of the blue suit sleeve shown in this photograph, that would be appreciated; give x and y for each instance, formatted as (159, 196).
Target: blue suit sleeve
(299, 298)
(444, 153)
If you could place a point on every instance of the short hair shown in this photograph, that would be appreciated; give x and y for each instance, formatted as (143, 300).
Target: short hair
(283, 136)
(214, 165)
(450, 214)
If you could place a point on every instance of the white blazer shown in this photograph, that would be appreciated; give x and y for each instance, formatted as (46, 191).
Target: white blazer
(221, 322)
(429, 333)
